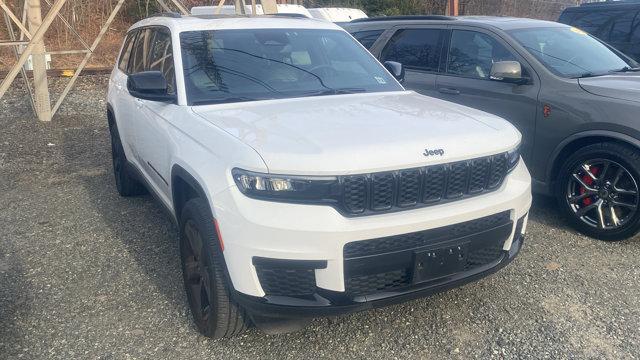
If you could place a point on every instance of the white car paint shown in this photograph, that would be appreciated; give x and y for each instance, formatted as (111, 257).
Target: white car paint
(337, 14)
(231, 10)
(339, 134)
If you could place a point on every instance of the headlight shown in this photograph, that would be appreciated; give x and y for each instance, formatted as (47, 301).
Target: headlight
(287, 188)
(513, 157)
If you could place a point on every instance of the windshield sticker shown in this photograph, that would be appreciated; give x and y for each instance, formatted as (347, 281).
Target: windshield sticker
(300, 58)
(578, 31)
(381, 80)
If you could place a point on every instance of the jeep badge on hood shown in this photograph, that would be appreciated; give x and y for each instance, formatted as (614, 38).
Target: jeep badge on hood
(433, 152)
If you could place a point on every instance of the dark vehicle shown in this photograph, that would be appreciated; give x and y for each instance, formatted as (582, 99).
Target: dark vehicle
(615, 22)
(575, 99)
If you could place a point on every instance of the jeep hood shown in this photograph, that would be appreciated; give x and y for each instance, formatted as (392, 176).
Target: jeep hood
(622, 86)
(358, 133)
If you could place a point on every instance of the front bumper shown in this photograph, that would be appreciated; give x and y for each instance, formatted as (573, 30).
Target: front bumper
(328, 303)
(253, 229)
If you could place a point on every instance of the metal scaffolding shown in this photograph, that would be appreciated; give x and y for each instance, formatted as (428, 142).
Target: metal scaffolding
(29, 43)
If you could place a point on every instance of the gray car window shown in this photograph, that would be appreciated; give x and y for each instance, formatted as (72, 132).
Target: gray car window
(622, 27)
(367, 38)
(415, 48)
(597, 23)
(569, 52)
(472, 54)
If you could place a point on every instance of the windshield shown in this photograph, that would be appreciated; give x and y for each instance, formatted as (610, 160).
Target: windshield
(222, 66)
(570, 52)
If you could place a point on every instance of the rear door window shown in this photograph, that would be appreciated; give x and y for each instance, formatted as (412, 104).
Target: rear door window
(418, 49)
(472, 54)
(367, 38)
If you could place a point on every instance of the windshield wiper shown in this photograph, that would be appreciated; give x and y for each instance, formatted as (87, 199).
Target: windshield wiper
(587, 74)
(340, 91)
(230, 99)
(626, 69)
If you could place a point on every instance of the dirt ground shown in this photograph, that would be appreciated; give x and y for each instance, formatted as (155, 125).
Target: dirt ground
(87, 274)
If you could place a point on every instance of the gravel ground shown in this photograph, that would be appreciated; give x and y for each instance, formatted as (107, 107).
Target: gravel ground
(87, 274)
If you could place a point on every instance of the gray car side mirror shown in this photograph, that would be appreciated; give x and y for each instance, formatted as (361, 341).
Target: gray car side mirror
(507, 71)
(396, 69)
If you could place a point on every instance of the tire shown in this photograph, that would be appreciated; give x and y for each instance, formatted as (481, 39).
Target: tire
(597, 190)
(126, 184)
(214, 313)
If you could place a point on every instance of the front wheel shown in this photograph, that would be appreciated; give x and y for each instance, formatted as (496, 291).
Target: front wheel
(598, 190)
(214, 313)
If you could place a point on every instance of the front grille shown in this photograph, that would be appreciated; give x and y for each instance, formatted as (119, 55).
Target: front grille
(376, 283)
(397, 190)
(422, 238)
(287, 282)
(387, 264)
(396, 280)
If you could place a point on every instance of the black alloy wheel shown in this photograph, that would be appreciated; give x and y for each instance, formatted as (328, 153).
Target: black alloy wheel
(598, 190)
(602, 194)
(215, 314)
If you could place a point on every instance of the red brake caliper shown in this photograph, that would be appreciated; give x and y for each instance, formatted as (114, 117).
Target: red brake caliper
(589, 181)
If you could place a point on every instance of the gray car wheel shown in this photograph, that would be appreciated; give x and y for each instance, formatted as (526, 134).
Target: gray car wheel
(598, 190)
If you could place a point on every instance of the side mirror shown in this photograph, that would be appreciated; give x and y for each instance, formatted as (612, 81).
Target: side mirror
(149, 85)
(507, 71)
(396, 69)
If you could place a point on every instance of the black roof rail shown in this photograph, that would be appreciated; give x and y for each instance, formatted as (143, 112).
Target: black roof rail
(610, 2)
(405, 17)
(291, 15)
(174, 15)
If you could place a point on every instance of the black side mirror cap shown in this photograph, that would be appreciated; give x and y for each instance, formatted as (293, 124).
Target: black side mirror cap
(396, 69)
(149, 85)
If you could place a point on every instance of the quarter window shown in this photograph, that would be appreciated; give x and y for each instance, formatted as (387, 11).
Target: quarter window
(472, 54)
(415, 48)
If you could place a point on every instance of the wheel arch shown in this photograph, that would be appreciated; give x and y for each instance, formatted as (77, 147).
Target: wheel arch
(184, 187)
(569, 145)
(111, 115)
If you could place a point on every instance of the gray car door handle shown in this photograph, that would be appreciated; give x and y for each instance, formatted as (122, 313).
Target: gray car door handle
(449, 91)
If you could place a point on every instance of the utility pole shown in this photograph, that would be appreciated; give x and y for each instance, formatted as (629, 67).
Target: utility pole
(39, 62)
(453, 7)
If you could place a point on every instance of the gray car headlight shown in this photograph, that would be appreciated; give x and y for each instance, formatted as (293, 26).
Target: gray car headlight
(288, 188)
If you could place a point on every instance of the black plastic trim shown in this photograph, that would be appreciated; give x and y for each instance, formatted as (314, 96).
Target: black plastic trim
(288, 264)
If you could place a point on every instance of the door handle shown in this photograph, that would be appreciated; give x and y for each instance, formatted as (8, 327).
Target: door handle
(449, 91)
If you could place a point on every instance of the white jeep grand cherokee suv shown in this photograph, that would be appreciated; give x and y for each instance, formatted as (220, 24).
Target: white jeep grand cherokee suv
(305, 181)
